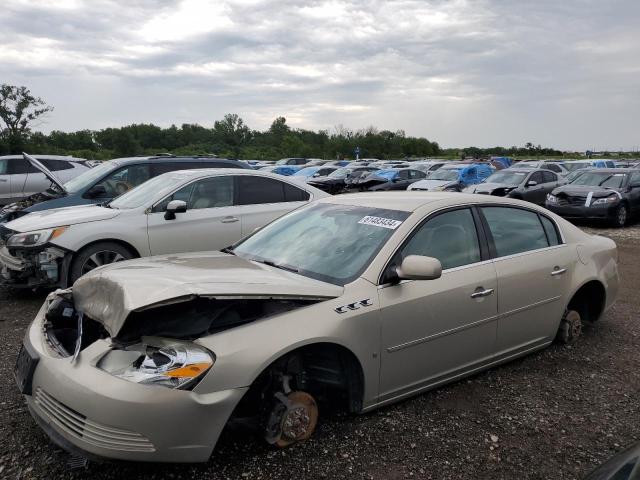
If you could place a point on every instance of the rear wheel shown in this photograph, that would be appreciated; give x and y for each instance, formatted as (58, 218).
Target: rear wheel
(620, 216)
(96, 255)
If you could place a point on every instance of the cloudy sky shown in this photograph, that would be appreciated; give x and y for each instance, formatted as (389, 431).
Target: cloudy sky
(563, 73)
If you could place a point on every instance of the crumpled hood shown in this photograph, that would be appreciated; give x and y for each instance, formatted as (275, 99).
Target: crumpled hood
(57, 217)
(109, 294)
(584, 190)
(488, 187)
(429, 184)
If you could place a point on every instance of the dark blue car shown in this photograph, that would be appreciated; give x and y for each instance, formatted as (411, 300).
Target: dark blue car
(106, 181)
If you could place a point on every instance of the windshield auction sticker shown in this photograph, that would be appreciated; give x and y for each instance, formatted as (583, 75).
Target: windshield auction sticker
(381, 222)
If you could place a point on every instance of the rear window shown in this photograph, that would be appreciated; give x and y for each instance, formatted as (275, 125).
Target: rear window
(56, 165)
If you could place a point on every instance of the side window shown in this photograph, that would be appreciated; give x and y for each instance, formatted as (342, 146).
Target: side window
(403, 174)
(416, 174)
(183, 194)
(56, 165)
(4, 166)
(549, 177)
(255, 190)
(212, 192)
(514, 230)
(552, 167)
(634, 181)
(125, 179)
(450, 237)
(20, 165)
(551, 231)
(536, 177)
(294, 194)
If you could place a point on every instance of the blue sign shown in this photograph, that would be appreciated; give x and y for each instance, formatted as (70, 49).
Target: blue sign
(357, 151)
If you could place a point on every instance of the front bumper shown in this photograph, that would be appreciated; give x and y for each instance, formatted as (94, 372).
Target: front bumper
(583, 212)
(84, 409)
(38, 267)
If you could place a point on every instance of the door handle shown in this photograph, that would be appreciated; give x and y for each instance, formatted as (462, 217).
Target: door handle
(3, 180)
(558, 271)
(482, 293)
(229, 219)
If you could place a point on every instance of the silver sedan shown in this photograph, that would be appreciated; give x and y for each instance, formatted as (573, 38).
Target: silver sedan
(355, 301)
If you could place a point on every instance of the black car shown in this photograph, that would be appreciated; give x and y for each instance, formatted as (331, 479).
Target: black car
(603, 193)
(336, 182)
(528, 184)
(623, 466)
(391, 179)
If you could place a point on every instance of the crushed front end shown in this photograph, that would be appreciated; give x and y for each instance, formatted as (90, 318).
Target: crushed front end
(30, 267)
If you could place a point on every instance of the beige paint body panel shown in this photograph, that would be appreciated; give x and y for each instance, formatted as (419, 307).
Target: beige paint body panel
(411, 337)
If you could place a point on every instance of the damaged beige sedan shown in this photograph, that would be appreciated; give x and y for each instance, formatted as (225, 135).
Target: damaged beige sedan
(354, 301)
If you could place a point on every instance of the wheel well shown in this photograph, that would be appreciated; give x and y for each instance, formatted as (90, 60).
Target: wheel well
(589, 301)
(126, 245)
(329, 372)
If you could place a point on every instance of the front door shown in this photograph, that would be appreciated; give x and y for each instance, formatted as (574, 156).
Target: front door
(534, 269)
(211, 221)
(434, 329)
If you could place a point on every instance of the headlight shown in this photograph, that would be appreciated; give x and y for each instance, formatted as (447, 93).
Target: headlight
(35, 238)
(155, 361)
(552, 198)
(605, 201)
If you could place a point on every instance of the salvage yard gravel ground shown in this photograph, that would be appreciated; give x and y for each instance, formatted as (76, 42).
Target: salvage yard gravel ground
(555, 414)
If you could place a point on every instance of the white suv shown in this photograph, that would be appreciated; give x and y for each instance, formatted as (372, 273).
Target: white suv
(180, 211)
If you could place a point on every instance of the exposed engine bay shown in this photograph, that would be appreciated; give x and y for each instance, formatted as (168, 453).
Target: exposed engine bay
(186, 320)
(14, 210)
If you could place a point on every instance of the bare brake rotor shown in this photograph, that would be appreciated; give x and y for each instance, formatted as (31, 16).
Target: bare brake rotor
(295, 418)
(570, 327)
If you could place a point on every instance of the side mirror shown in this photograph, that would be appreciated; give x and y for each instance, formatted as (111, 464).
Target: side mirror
(173, 207)
(418, 267)
(96, 191)
(531, 183)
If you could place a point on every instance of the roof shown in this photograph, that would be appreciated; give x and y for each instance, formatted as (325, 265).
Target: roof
(411, 200)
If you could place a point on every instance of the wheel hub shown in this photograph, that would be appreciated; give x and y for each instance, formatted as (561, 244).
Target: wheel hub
(298, 420)
(570, 327)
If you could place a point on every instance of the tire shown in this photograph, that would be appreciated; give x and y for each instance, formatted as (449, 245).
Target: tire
(101, 253)
(620, 216)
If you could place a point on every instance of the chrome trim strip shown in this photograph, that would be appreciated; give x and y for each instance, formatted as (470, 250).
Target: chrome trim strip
(451, 378)
(470, 325)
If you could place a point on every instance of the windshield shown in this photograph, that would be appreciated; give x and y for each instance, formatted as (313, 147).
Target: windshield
(149, 191)
(575, 174)
(445, 174)
(332, 243)
(306, 172)
(600, 179)
(506, 177)
(341, 173)
(88, 178)
(388, 174)
(573, 166)
(526, 165)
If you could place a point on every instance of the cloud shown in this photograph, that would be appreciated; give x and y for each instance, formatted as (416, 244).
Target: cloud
(461, 72)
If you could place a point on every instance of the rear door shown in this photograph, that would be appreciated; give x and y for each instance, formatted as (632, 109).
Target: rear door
(550, 181)
(534, 269)
(634, 193)
(211, 221)
(5, 182)
(26, 179)
(261, 200)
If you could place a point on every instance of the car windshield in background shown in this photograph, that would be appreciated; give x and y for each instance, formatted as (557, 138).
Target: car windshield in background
(87, 178)
(340, 173)
(155, 188)
(332, 243)
(508, 178)
(445, 174)
(600, 179)
(388, 174)
(526, 165)
(573, 166)
(306, 172)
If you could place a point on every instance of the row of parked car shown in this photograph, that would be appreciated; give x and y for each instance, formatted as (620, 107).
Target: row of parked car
(126, 207)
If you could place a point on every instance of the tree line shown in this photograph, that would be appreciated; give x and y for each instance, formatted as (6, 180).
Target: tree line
(230, 137)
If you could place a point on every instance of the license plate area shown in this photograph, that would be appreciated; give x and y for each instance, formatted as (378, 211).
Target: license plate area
(25, 367)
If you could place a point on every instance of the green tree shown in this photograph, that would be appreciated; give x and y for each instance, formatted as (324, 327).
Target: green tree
(18, 110)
